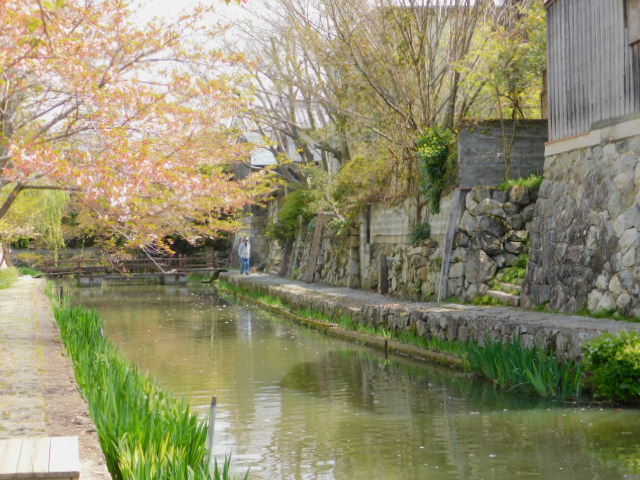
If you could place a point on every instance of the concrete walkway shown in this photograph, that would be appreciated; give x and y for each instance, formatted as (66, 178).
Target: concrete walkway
(565, 334)
(38, 392)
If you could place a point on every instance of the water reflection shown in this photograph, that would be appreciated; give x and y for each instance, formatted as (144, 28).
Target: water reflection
(294, 404)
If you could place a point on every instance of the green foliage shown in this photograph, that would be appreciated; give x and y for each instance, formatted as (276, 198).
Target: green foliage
(433, 151)
(505, 64)
(533, 370)
(29, 271)
(532, 181)
(486, 300)
(515, 274)
(340, 226)
(613, 366)
(145, 434)
(420, 232)
(36, 214)
(294, 212)
(7, 277)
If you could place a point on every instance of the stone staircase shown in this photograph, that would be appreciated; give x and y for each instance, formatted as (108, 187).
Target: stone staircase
(507, 293)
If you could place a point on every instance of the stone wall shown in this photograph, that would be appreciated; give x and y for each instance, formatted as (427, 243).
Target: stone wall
(491, 234)
(412, 271)
(585, 248)
(481, 151)
(333, 265)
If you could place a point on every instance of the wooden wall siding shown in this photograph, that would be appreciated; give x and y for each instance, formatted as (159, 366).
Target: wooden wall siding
(594, 74)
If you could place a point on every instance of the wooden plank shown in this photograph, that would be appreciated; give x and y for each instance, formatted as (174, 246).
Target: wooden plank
(34, 457)
(10, 457)
(40, 462)
(64, 458)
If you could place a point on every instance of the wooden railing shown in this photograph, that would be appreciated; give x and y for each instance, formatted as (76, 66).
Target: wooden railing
(177, 264)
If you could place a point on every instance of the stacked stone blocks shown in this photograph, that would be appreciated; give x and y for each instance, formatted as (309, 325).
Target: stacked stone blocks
(585, 251)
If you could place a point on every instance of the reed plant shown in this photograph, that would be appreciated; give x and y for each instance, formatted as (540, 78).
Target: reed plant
(510, 365)
(145, 433)
(533, 370)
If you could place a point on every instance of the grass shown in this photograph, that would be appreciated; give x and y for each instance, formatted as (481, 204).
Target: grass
(486, 300)
(510, 365)
(533, 370)
(611, 314)
(532, 181)
(7, 277)
(144, 433)
(29, 271)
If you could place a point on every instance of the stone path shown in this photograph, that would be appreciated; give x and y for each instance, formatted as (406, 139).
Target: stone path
(563, 333)
(38, 392)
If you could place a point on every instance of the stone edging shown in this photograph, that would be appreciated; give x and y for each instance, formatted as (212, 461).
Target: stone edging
(380, 343)
(563, 334)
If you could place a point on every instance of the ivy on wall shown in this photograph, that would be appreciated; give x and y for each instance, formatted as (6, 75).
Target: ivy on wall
(433, 152)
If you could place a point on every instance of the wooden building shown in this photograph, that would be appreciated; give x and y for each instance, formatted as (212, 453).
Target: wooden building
(594, 63)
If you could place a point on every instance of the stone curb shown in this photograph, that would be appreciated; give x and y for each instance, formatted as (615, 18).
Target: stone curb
(380, 343)
(563, 334)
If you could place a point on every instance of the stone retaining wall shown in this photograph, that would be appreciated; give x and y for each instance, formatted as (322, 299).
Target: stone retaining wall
(585, 250)
(563, 334)
(491, 234)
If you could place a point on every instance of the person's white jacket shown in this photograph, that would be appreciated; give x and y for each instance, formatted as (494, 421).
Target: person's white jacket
(244, 250)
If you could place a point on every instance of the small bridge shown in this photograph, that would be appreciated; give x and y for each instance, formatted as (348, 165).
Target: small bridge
(169, 270)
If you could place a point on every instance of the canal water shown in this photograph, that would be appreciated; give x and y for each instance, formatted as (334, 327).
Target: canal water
(295, 404)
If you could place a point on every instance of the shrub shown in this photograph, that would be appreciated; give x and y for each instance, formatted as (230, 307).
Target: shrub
(613, 366)
(29, 271)
(532, 181)
(433, 152)
(419, 232)
(294, 209)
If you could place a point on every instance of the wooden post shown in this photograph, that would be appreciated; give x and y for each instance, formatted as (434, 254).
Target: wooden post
(212, 425)
(321, 219)
(383, 281)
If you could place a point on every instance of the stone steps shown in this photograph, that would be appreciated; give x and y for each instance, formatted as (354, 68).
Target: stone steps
(504, 297)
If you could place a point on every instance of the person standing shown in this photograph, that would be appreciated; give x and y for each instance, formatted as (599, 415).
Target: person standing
(244, 252)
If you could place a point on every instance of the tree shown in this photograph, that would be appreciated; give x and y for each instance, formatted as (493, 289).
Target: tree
(365, 79)
(132, 120)
(506, 67)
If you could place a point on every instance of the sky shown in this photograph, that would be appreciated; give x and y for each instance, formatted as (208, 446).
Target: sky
(169, 8)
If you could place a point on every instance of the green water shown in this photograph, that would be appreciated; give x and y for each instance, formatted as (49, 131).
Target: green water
(294, 404)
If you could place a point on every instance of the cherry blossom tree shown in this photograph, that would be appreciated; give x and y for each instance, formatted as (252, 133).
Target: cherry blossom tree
(133, 120)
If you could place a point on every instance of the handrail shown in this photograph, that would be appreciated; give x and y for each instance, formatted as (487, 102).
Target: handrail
(133, 265)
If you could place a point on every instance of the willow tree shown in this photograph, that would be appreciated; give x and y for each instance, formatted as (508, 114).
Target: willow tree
(132, 120)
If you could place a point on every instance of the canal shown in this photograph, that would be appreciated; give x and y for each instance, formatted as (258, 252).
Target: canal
(295, 404)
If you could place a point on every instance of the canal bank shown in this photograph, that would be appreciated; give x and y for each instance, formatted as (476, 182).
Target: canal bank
(294, 403)
(563, 334)
(38, 392)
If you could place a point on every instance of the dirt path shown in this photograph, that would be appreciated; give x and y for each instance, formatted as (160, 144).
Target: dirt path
(38, 392)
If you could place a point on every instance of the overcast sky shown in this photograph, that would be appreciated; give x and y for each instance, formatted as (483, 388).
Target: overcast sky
(148, 9)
